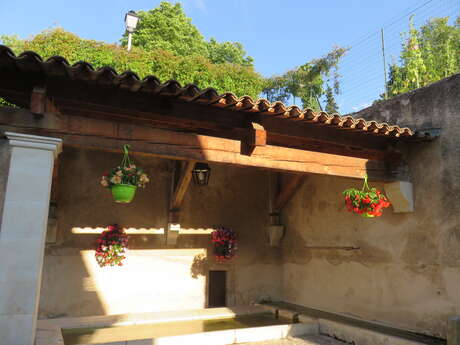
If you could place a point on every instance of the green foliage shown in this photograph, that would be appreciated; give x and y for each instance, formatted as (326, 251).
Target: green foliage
(331, 105)
(242, 80)
(228, 52)
(168, 28)
(307, 81)
(428, 54)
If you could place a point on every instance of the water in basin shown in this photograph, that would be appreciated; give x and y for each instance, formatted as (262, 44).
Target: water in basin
(100, 335)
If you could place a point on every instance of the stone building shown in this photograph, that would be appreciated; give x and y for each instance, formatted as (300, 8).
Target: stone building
(277, 174)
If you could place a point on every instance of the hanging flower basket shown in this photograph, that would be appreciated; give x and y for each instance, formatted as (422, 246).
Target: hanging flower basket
(124, 179)
(111, 247)
(367, 202)
(225, 244)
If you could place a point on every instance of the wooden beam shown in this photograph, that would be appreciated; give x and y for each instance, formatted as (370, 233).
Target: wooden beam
(38, 100)
(288, 191)
(182, 185)
(111, 135)
(83, 97)
(255, 136)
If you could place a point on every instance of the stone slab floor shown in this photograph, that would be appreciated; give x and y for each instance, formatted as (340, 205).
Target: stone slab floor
(304, 340)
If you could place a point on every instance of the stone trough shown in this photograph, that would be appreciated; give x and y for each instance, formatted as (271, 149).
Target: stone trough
(98, 328)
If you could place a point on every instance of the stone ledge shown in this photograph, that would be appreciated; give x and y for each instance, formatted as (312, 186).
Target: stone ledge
(361, 336)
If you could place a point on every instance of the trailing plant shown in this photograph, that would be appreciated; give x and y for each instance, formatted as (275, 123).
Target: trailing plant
(310, 82)
(225, 76)
(111, 247)
(225, 244)
(368, 202)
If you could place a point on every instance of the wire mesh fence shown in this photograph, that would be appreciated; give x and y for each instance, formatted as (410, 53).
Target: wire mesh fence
(364, 68)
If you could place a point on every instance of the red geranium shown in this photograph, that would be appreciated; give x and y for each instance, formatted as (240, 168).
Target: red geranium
(225, 244)
(111, 247)
(368, 202)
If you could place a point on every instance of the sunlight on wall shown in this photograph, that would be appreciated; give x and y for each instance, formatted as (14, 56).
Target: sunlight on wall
(142, 231)
(131, 231)
(149, 280)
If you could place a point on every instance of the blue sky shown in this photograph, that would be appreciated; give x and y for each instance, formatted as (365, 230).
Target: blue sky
(279, 34)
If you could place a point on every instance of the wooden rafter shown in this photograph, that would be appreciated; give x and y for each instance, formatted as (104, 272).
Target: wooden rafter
(110, 135)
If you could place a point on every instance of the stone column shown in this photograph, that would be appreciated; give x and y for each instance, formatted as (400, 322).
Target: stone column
(22, 234)
(453, 330)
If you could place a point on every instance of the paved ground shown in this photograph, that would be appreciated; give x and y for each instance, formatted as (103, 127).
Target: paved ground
(306, 340)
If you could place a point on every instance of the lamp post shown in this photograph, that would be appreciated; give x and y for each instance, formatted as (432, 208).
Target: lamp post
(131, 20)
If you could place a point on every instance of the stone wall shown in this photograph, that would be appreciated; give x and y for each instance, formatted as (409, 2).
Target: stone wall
(406, 271)
(154, 277)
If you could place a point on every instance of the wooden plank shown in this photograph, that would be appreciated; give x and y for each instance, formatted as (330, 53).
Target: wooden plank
(109, 135)
(288, 191)
(182, 185)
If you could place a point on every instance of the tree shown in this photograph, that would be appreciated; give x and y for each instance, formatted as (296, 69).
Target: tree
(428, 54)
(165, 65)
(228, 52)
(307, 81)
(167, 27)
(331, 105)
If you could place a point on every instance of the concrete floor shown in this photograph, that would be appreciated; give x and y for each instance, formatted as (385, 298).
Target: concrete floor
(306, 340)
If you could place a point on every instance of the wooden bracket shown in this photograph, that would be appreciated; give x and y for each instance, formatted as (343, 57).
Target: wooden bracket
(181, 178)
(287, 191)
(278, 198)
(255, 136)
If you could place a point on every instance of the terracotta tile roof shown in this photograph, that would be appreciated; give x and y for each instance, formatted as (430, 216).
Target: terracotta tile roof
(58, 67)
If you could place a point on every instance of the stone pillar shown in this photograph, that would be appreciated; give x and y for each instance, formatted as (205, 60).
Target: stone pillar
(22, 234)
(453, 330)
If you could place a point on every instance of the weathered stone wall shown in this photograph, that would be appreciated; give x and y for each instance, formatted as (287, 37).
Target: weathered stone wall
(407, 270)
(154, 277)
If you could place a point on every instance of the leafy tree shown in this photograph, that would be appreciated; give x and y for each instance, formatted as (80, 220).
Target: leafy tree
(167, 27)
(242, 80)
(331, 105)
(230, 52)
(428, 54)
(307, 81)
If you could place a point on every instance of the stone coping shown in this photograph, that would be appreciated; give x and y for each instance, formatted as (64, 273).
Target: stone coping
(350, 329)
(49, 330)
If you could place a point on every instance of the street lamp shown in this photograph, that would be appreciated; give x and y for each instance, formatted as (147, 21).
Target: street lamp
(131, 20)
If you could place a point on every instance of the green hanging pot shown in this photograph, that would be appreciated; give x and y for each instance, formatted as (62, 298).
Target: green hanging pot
(365, 215)
(123, 193)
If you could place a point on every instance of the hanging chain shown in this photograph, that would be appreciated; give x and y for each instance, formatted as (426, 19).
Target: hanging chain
(126, 162)
(365, 185)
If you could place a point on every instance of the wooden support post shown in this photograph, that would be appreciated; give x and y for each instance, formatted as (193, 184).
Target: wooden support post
(275, 229)
(278, 198)
(180, 181)
(182, 185)
(288, 191)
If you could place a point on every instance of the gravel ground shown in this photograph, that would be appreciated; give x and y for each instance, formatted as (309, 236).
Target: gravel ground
(306, 340)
